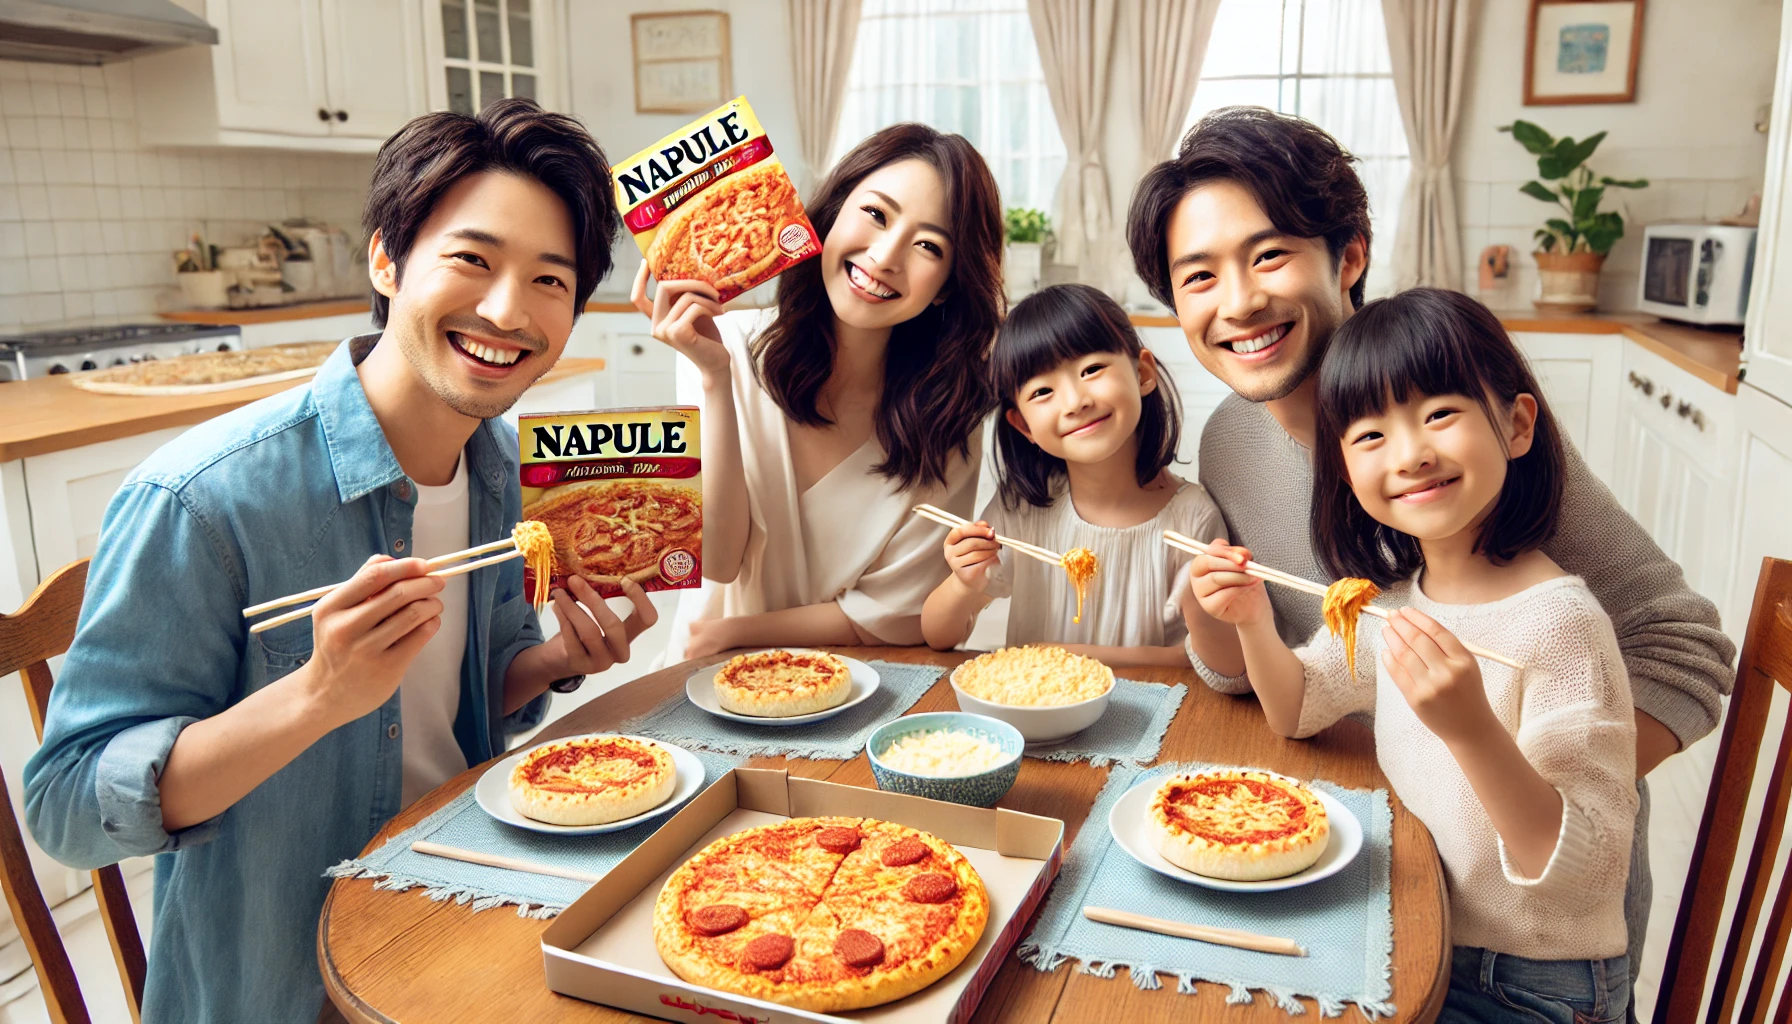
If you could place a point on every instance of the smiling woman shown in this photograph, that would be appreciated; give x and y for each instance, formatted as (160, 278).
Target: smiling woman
(857, 398)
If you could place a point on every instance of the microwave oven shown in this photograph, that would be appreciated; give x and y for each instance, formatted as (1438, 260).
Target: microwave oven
(1698, 273)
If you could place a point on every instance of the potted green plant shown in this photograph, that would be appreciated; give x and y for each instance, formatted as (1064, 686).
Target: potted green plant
(1571, 248)
(1026, 232)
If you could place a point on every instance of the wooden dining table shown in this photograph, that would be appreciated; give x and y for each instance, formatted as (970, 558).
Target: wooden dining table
(398, 956)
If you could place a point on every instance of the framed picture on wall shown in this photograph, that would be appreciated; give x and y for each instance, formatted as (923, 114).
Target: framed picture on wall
(682, 62)
(1582, 51)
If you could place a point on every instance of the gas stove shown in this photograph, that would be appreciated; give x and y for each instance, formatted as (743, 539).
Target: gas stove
(73, 349)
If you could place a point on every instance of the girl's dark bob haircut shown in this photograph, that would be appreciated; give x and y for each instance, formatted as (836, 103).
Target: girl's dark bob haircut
(1420, 343)
(1047, 329)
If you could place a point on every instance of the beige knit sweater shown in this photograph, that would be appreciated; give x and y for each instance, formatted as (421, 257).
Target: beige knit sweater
(1677, 657)
(1570, 712)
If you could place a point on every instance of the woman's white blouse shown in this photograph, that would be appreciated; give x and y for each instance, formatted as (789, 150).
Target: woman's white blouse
(849, 538)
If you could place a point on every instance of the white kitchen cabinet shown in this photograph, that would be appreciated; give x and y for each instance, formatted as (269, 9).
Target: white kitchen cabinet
(68, 492)
(1201, 392)
(1677, 445)
(1580, 378)
(335, 75)
(477, 51)
(1767, 335)
(637, 369)
(1763, 525)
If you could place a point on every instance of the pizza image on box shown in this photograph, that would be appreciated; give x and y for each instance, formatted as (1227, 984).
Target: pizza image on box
(621, 494)
(822, 914)
(712, 202)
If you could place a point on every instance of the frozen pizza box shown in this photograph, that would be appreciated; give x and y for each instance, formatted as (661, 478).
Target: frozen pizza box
(601, 948)
(712, 202)
(621, 491)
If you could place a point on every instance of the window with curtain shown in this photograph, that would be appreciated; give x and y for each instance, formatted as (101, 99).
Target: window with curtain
(1327, 61)
(965, 66)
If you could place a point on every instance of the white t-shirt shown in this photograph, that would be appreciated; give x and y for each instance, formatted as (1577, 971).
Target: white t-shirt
(429, 696)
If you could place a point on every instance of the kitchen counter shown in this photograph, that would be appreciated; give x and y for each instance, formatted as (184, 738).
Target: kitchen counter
(50, 414)
(313, 310)
(1712, 355)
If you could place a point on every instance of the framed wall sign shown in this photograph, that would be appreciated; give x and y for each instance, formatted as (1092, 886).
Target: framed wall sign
(1582, 51)
(682, 62)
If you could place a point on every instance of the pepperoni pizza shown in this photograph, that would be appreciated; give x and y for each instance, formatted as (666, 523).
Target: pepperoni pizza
(822, 914)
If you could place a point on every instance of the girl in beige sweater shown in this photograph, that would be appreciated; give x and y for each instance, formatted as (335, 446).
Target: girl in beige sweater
(1438, 475)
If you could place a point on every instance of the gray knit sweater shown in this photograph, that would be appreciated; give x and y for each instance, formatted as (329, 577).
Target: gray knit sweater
(1677, 656)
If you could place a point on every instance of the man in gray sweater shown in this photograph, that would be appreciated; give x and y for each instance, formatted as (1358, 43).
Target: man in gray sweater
(1257, 235)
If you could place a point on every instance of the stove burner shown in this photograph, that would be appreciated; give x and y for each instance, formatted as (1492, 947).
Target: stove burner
(108, 337)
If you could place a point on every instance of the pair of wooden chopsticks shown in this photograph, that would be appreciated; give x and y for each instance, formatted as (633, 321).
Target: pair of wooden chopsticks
(1198, 932)
(440, 560)
(1264, 572)
(493, 860)
(945, 518)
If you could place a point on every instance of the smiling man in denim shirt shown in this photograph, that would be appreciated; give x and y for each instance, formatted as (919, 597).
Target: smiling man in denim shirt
(252, 763)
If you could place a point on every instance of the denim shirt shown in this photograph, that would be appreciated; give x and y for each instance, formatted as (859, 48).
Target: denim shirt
(288, 493)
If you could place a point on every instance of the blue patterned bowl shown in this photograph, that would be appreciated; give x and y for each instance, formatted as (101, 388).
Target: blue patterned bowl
(980, 790)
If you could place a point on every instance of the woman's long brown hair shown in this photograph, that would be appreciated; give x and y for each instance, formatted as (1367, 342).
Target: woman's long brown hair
(935, 392)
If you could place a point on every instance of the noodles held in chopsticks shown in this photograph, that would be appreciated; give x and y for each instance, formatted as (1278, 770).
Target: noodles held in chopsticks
(1079, 565)
(537, 545)
(1344, 602)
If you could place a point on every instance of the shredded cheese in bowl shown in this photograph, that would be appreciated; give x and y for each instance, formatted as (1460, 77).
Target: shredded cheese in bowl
(1034, 677)
(944, 753)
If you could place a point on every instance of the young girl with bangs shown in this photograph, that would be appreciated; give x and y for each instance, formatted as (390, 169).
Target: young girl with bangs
(858, 396)
(1438, 476)
(1088, 428)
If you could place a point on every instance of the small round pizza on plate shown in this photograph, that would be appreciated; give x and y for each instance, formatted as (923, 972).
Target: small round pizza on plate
(1235, 830)
(782, 686)
(595, 783)
(782, 683)
(822, 914)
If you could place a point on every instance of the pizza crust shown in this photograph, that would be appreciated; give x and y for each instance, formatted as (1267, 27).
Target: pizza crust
(775, 873)
(592, 780)
(1244, 826)
(782, 684)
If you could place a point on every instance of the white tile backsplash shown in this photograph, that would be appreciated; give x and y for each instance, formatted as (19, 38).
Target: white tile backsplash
(89, 216)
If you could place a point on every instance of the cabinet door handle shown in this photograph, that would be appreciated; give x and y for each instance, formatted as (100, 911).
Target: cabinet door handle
(322, 114)
(636, 350)
(342, 115)
(1667, 399)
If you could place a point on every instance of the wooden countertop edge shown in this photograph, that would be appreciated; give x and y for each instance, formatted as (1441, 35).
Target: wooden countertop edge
(1716, 360)
(162, 412)
(313, 310)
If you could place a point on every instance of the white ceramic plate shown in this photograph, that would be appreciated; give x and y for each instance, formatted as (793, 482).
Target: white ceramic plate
(701, 689)
(1127, 822)
(493, 791)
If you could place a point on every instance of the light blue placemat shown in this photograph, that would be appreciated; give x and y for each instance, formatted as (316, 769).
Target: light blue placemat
(461, 823)
(1130, 731)
(839, 738)
(1345, 921)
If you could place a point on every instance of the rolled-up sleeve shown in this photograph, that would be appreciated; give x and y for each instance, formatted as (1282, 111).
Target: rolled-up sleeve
(159, 646)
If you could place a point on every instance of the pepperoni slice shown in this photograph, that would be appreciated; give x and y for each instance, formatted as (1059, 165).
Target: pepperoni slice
(838, 840)
(718, 918)
(771, 951)
(931, 888)
(857, 948)
(904, 852)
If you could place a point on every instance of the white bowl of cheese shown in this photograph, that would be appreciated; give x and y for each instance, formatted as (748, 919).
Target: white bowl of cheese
(1047, 693)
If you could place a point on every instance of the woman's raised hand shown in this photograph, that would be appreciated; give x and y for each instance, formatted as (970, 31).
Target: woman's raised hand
(683, 315)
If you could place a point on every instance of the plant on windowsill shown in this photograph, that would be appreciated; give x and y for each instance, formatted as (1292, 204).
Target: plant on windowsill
(1026, 232)
(1571, 248)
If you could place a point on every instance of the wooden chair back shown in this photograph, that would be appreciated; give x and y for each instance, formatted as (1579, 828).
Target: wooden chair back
(1742, 991)
(43, 628)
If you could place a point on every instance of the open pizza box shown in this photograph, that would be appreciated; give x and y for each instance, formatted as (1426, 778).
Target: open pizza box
(601, 948)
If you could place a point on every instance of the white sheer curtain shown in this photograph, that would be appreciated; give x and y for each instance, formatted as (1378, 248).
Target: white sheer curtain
(965, 66)
(1428, 44)
(1075, 40)
(1327, 61)
(1173, 37)
(822, 34)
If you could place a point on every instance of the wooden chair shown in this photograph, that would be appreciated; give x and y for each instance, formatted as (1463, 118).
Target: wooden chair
(29, 638)
(1766, 662)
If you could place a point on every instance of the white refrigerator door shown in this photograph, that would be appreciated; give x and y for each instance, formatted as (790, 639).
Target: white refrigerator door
(1768, 352)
